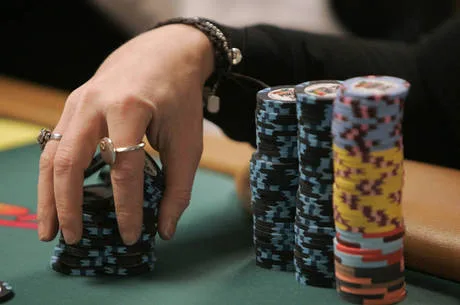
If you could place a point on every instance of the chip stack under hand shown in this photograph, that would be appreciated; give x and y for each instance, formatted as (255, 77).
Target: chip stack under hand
(274, 178)
(314, 222)
(368, 182)
(101, 249)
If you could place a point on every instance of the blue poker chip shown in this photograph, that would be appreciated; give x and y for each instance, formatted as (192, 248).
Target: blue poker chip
(387, 245)
(355, 260)
(375, 87)
(367, 132)
(357, 111)
(369, 146)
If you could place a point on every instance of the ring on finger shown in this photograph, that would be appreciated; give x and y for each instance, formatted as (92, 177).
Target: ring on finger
(109, 151)
(46, 135)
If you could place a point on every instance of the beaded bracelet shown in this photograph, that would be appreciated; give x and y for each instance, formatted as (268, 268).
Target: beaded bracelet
(225, 56)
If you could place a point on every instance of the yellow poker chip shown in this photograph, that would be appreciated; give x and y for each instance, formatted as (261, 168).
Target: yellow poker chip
(370, 187)
(388, 201)
(367, 220)
(365, 214)
(363, 172)
(374, 159)
(369, 228)
(371, 213)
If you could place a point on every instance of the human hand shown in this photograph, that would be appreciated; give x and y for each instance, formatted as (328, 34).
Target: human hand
(152, 85)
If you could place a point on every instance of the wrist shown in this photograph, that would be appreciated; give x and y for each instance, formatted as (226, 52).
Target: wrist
(224, 56)
(195, 47)
(204, 52)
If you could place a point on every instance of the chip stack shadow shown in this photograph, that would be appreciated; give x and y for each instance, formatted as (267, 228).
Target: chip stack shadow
(314, 222)
(368, 182)
(101, 250)
(274, 178)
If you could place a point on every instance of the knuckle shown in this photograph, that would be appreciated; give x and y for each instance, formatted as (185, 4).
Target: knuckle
(128, 102)
(81, 97)
(46, 162)
(87, 93)
(124, 174)
(63, 163)
(182, 198)
(127, 216)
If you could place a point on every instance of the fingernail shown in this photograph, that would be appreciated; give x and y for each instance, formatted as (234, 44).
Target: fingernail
(40, 230)
(130, 237)
(41, 235)
(70, 237)
(169, 229)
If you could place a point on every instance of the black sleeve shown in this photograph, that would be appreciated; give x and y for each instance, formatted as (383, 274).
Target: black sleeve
(287, 57)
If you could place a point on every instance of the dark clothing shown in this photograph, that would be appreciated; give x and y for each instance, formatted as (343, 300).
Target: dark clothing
(286, 57)
(402, 20)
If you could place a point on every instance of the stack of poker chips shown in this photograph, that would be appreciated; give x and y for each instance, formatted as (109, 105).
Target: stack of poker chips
(368, 182)
(101, 250)
(274, 178)
(314, 222)
(6, 292)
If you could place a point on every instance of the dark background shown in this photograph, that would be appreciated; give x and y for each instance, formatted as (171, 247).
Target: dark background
(61, 43)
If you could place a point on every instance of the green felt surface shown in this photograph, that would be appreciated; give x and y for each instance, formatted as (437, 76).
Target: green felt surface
(210, 261)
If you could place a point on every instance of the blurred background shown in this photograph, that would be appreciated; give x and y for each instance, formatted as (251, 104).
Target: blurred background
(61, 43)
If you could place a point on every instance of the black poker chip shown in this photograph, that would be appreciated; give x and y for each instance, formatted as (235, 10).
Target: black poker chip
(101, 250)
(6, 292)
(63, 268)
(274, 178)
(116, 270)
(314, 221)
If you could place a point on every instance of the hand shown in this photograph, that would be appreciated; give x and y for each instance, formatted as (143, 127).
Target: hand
(152, 85)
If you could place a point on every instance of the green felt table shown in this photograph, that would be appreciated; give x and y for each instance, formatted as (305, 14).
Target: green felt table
(210, 260)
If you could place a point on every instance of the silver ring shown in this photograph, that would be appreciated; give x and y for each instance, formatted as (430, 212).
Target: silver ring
(55, 136)
(46, 135)
(109, 151)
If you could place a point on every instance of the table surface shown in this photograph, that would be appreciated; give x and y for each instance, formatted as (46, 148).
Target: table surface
(210, 260)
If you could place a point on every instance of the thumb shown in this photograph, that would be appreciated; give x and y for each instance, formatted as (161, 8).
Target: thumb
(180, 159)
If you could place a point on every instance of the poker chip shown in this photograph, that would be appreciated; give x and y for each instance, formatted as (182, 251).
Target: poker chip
(6, 292)
(314, 222)
(274, 178)
(368, 180)
(101, 250)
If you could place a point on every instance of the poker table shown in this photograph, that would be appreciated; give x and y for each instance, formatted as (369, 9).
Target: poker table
(209, 261)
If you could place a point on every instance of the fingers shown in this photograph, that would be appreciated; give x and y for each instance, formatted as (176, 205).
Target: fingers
(46, 206)
(180, 158)
(74, 153)
(127, 126)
